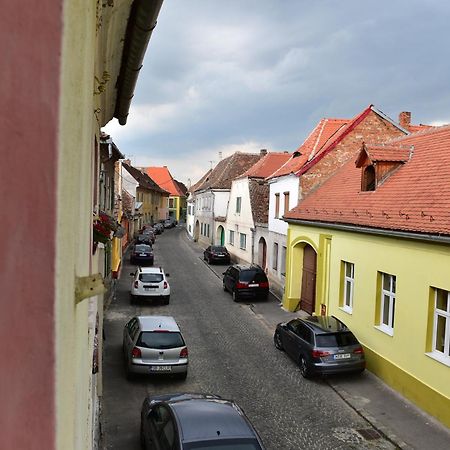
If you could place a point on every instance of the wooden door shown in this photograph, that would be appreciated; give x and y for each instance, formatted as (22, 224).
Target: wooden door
(308, 295)
(262, 252)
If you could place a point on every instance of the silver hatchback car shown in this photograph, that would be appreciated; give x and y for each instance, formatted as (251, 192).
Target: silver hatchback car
(154, 345)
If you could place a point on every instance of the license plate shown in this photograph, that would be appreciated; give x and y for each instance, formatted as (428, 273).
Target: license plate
(150, 288)
(160, 369)
(253, 285)
(342, 356)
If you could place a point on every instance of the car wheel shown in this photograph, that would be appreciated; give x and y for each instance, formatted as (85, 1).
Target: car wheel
(305, 368)
(235, 295)
(166, 299)
(277, 341)
(142, 437)
(209, 261)
(182, 376)
(224, 286)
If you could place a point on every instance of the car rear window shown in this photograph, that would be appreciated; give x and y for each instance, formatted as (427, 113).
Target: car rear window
(151, 277)
(252, 275)
(224, 444)
(160, 339)
(336, 340)
(218, 249)
(142, 248)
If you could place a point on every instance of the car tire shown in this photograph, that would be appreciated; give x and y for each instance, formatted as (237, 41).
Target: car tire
(166, 300)
(209, 261)
(305, 368)
(277, 341)
(182, 376)
(224, 287)
(142, 439)
(235, 296)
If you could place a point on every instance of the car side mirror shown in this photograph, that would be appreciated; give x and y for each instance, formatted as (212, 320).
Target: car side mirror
(132, 274)
(224, 273)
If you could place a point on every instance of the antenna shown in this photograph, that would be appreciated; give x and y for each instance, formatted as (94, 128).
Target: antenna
(220, 155)
(211, 162)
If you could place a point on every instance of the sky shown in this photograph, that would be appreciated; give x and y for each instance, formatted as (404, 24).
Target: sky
(244, 75)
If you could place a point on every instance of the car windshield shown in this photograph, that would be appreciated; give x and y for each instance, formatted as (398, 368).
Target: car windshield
(224, 444)
(160, 339)
(143, 248)
(218, 249)
(336, 340)
(252, 275)
(151, 277)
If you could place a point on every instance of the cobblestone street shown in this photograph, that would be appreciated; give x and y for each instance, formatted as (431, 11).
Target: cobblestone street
(231, 354)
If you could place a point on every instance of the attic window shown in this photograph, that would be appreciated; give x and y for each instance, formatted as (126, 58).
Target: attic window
(368, 179)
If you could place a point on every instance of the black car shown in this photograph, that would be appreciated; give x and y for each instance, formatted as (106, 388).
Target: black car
(216, 253)
(246, 282)
(321, 345)
(142, 254)
(194, 422)
(143, 239)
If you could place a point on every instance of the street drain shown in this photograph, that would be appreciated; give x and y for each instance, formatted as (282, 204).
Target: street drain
(369, 434)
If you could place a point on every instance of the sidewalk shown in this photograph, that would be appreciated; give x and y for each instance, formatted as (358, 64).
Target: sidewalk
(393, 416)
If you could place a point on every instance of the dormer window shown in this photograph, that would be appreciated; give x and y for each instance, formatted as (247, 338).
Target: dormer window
(368, 179)
(378, 163)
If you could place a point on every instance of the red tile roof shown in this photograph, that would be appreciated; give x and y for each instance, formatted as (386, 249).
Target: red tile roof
(375, 153)
(259, 201)
(143, 179)
(267, 165)
(320, 137)
(163, 178)
(414, 198)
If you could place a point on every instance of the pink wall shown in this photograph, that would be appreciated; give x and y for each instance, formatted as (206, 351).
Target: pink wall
(30, 36)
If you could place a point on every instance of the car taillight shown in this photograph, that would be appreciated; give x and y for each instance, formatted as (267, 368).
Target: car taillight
(240, 285)
(165, 285)
(136, 353)
(184, 352)
(319, 353)
(136, 284)
(359, 351)
(264, 284)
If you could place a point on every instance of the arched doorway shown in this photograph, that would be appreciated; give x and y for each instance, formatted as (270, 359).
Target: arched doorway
(220, 235)
(262, 253)
(308, 288)
(196, 231)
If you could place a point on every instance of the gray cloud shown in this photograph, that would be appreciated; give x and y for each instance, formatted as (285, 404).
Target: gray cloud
(219, 76)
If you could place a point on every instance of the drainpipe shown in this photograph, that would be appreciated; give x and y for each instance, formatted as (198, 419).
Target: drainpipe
(140, 26)
(253, 230)
(213, 218)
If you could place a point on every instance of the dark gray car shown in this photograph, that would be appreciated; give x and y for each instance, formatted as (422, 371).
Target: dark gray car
(321, 345)
(194, 422)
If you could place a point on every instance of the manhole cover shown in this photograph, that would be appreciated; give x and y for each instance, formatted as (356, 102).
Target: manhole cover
(369, 434)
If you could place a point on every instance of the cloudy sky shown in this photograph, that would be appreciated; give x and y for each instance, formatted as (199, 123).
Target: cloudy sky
(249, 74)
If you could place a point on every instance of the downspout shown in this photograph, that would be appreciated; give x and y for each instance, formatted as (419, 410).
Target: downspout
(141, 23)
(213, 219)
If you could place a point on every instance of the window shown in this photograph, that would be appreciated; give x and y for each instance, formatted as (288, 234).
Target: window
(441, 326)
(277, 206)
(171, 203)
(286, 202)
(387, 302)
(238, 204)
(283, 261)
(207, 231)
(368, 181)
(275, 257)
(348, 270)
(231, 239)
(242, 241)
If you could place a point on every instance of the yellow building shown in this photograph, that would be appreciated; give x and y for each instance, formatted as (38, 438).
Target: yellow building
(77, 56)
(371, 247)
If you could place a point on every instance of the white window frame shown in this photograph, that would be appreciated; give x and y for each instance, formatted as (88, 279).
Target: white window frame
(242, 241)
(391, 294)
(275, 251)
(443, 357)
(238, 205)
(231, 237)
(349, 284)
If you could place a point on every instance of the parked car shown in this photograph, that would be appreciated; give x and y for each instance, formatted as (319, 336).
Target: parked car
(150, 283)
(142, 254)
(216, 253)
(154, 345)
(158, 228)
(169, 223)
(246, 282)
(150, 233)
(321, 345)
(196, 421)
(143, 239)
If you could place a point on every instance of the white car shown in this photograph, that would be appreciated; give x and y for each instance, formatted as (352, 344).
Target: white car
(150, 283)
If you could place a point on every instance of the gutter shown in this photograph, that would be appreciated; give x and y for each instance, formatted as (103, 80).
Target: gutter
(141, 24)
(441, 239)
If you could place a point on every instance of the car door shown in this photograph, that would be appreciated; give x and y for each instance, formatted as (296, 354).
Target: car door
(164, 432)
(130, 332)
(304, 341)
(290, 337)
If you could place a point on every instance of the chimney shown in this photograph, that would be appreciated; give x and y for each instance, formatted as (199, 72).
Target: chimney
(263, 152)
(404, 119)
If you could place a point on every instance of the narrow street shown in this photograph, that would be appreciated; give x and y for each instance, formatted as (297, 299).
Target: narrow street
(231, 354)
